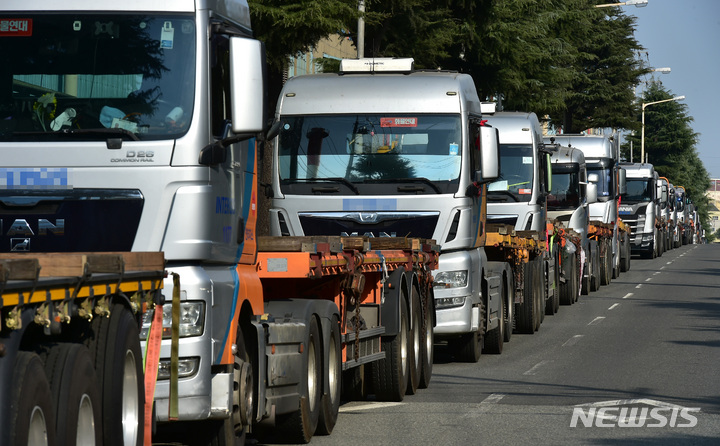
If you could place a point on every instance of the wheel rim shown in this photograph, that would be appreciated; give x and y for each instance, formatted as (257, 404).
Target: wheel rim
(86, 422)
(429, 337)
(333, 371)
(130, 401)
(37, 434)
(312, 370)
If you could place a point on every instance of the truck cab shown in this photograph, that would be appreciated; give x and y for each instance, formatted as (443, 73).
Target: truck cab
(639, 208)
(569, 201)
(602, 157)
(380, 149)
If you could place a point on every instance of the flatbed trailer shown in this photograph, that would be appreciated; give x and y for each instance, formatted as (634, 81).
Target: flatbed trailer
(70, 362)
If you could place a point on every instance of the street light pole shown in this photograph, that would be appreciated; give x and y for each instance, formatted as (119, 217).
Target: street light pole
(642, 137)
(637, 3)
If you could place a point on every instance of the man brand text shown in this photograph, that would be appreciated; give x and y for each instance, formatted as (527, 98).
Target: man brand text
(21, 227)
(634, 417)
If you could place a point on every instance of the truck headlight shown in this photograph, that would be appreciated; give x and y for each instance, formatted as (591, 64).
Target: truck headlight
(450, 279)
(191, 320)
(187, 367)
(449, 302)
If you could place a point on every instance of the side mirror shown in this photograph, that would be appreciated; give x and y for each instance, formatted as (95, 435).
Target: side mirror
(489, 155)
(593, 178)
(664, 195)
(591, 189)
(622, 181)
(247, 85)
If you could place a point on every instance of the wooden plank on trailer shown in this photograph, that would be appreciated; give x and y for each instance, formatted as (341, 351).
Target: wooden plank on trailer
(298, 243)
(74, 264)
(19, 269)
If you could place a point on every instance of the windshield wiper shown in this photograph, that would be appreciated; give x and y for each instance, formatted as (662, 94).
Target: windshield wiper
(110, 132)
(340, 180)
(113, 131)
(422, 180)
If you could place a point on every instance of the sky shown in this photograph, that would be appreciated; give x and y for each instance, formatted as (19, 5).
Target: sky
(684, 35)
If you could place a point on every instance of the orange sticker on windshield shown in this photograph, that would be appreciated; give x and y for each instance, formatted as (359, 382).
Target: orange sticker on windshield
(398, 122)
(525, 191)
(15, 27)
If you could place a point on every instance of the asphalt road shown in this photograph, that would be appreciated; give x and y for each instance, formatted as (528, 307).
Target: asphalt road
(648, 342)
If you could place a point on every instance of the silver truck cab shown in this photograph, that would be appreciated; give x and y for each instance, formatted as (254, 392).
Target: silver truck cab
(569, 202)
(639, 207)
(517, 198)
(380, 149)
(109, 106)
(602, 157)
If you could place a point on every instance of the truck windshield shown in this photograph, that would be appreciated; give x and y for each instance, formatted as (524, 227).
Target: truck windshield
(638, 190)
(78, 76)
(358, 152)
(565, 193)
(516, 173)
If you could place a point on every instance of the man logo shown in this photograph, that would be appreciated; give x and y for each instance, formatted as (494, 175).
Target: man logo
(20, 244)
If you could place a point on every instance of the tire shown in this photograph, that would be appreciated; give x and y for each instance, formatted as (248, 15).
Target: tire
(300, 426)
(32, 417)
(75, 394)
(332, 393)
(625, 255)
(233, 431)
(115, 349)
(540, 300)
(415, 343)
(606, 264)
(567, 289)
(494, 339)
(595, 279)
(428, 341)
(509, 307)
(390, 375)
(353, 384)
(524, 312)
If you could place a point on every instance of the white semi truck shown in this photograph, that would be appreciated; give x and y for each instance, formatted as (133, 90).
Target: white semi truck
(602, 156)
(640, 209)
(132, 126)
(519, 197)
(380, 149)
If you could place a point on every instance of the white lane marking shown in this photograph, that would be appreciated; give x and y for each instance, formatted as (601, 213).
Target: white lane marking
(669, 263)
(627, 295)
(572, 341)
(656, 273)
(597, 320)
(493, 398)
(613, 306)
(639, 285)
(534, 369)
(648, 279)
(368, 406)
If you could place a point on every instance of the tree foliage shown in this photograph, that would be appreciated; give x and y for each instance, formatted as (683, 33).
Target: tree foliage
(670, 145)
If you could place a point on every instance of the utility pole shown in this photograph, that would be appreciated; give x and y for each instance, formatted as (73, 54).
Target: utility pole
(361, 30)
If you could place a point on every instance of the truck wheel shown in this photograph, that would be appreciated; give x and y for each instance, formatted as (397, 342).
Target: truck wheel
(509, 316)
(353, 384)
(115, 348)
(625, 257)
(595, 278)
(415, 346)
(299, 426)
(568, 288)
(524, 312)
(75, 393)
(428, 342)
(331, 394)
(494, 339)
(390, 375)
(606, 264)
(32, 418)
(540, 300)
